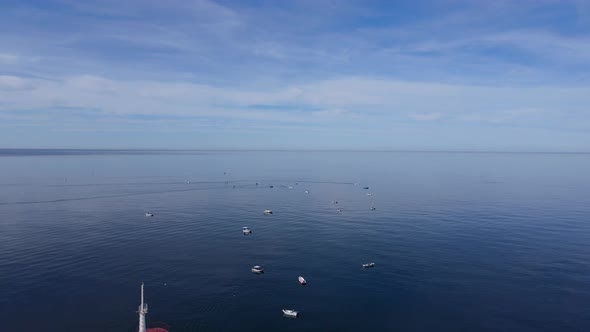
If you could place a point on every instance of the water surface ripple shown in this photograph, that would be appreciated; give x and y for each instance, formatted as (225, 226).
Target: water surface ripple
(461, 242)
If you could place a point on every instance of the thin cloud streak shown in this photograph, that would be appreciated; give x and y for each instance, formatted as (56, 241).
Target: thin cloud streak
(313, 102)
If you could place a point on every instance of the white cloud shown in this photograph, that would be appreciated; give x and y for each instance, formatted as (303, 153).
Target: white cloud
(506, 116)
(349, 99)
(426, 117)
(8, 59)
(544, 44)
(332, 113)
(449, 73)
(14, 83)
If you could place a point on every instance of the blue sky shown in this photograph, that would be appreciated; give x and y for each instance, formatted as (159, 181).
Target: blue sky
(317, 74)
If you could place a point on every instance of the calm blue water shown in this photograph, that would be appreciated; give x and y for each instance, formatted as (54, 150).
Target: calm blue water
(461, 241)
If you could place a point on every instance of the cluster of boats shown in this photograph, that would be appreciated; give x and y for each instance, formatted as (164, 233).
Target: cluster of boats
(246, 230)
(259, 269)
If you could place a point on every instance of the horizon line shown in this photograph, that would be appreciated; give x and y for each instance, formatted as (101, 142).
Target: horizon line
(292, 150)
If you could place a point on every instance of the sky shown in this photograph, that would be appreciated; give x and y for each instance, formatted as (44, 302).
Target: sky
(312, 74)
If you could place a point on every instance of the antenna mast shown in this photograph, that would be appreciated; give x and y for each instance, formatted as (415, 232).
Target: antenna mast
(143, 309)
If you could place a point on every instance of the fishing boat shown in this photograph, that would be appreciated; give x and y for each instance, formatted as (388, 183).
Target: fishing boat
(267, 211)
(301, 280)
(257, 269)
(246, 230)
(365, 187)
(368, 265)
(290, 313)
(149, 214)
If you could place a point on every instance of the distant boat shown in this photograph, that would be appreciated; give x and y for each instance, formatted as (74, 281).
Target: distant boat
(267, 211)
(373, 208)
(368, 265)
(246, 230)
(339, 210)
(307, 191)
(369, 194)
(149, 214)
(301, 280)
(257, 269)
(290, 313)
(271, 186)
(365, 187)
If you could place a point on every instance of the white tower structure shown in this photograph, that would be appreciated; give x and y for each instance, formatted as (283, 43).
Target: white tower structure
(142, 311)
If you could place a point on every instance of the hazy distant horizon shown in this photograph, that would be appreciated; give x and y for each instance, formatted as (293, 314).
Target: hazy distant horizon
(65, 150)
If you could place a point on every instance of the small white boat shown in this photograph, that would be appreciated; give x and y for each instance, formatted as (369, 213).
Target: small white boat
(290, 313)
(301, 280)
(307, 191)
(149, 214)
(368, 265)
(257, 269)
(267, 211)
(246, 230)
(369, 194)
(373, 208)
(339, 210)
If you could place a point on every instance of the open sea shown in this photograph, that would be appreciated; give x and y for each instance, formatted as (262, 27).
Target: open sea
(461, 241)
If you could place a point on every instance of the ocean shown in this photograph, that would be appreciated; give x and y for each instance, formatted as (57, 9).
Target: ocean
(460, 241)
